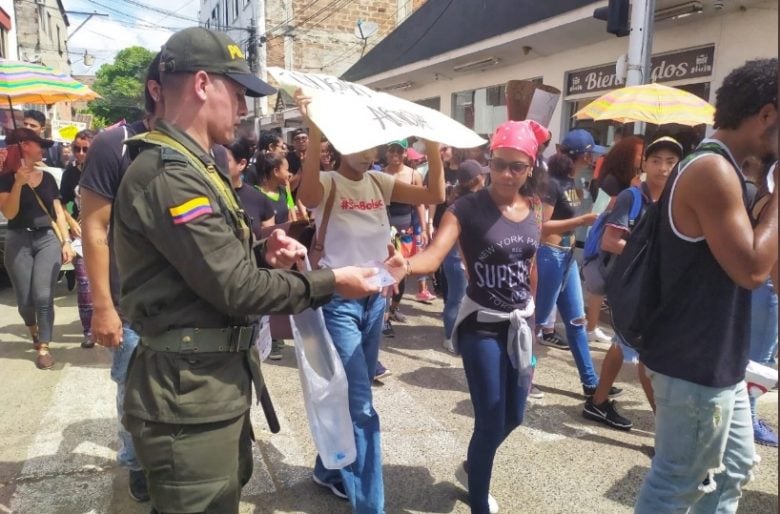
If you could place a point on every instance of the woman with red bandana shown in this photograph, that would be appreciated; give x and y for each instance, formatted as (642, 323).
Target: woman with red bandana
(498, 229)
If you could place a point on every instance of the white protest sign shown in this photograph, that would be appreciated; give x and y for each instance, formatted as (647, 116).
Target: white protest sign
(64, 131)
(355, 118)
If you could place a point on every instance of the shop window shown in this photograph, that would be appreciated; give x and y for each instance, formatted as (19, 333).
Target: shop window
(482, 110)
(3, 43)
(431, 103)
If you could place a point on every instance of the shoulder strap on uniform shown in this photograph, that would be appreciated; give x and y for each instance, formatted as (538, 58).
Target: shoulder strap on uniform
(209, 172)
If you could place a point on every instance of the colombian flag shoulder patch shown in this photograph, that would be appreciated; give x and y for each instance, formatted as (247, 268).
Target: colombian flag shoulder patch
(190, 210)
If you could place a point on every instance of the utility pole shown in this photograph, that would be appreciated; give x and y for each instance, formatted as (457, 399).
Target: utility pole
(261, 51)
(254, 64)
(640, 48)
(640, 42)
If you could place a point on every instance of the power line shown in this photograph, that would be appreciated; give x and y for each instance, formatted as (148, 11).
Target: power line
(171, 14)
(305, 20)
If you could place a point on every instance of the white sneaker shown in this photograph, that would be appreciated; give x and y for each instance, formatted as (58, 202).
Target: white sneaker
(598, 336)
(447, 344)
(463, 478)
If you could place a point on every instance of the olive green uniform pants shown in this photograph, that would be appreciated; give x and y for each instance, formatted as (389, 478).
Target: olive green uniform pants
(194, 469)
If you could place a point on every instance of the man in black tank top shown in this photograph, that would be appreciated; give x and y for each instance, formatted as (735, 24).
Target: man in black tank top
(697, 351)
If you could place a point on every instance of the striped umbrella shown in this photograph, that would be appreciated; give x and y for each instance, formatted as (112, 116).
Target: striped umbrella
(32, 83)
(651, 103)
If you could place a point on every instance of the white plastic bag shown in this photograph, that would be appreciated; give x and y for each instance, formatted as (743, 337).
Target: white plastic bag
(759, 378)
(324, 385)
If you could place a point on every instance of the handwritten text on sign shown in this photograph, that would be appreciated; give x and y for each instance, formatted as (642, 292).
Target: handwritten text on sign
(355, 118)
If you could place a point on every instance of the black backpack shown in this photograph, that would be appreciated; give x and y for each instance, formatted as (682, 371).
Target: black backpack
(633, 287)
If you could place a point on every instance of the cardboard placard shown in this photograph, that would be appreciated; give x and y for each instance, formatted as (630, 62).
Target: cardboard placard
(529, 100)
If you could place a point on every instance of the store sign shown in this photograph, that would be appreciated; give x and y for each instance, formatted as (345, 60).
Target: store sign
(665, 68)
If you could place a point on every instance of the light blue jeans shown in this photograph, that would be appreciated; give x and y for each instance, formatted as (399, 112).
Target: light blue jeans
(356, 329)
(704, 451)
(121, 360)
(559, 284)
(456, 288)
(763, 329)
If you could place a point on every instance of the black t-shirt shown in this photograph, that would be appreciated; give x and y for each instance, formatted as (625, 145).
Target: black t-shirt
(107, 161)
(31, 215)
(498, 252)
(450, 181)
(68, 184)
(280, 207)
(562, 195)
(611, 186)
(257, 206)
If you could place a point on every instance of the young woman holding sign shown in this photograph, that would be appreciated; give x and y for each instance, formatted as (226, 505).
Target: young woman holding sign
(498, 229)
(350, 209)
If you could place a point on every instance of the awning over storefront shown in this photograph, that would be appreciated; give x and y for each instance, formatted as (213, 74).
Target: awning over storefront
(440, 27)
(5, 19)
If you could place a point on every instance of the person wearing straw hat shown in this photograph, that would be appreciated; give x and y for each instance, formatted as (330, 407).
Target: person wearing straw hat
(191, 287)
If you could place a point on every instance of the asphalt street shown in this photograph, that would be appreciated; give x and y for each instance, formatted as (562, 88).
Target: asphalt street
(58, 433)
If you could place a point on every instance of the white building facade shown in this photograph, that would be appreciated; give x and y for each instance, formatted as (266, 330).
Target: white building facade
(573, 53)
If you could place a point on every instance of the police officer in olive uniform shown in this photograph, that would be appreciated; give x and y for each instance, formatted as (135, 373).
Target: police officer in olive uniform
(191, 287)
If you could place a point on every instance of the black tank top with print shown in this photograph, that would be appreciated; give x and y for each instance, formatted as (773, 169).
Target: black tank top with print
(702, 335)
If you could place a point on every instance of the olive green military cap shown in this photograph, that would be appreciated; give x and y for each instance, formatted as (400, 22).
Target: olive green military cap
(199, 49)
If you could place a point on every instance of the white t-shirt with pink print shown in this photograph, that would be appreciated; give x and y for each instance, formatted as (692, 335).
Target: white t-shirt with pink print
(358, 230)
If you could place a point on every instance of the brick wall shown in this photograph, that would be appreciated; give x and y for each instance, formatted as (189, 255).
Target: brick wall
(43, 44)
(321, 33)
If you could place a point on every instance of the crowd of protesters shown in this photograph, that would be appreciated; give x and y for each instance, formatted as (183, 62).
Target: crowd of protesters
(494, 230)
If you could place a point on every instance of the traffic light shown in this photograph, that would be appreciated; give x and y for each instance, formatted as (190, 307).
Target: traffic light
(616, 16)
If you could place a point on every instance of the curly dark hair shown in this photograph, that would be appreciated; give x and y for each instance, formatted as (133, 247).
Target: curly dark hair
(744, 92)
(560, 166)
(620, 160)
(266, 163)
(267, 140)
(241, 148)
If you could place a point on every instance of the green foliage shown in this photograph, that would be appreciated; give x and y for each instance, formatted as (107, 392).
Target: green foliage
(121, 85)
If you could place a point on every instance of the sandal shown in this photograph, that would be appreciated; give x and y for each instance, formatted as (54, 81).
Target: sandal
(44, 360)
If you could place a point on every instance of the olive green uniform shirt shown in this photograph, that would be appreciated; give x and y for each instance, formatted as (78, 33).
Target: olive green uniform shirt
(193, 274)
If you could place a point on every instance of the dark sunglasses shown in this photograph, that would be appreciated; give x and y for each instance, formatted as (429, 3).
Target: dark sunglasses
(498, 165)
(80, 149)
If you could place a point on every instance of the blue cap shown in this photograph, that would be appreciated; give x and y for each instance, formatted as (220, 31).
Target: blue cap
(580, 141)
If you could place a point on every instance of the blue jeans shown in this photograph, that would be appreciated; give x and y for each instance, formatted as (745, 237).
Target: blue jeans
(121, 360)
(356, 329)
(704, 450)
(499, 405)
(559, 284)
(763, 329)
(456, 288)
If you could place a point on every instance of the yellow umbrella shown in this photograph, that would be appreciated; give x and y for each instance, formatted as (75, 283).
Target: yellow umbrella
(651, 103)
